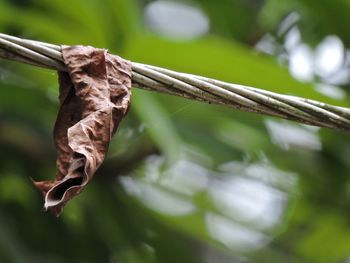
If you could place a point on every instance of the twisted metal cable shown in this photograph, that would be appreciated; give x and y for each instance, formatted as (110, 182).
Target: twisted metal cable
(193, 87)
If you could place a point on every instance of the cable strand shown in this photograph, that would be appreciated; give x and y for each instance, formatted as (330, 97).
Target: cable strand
(193, 87)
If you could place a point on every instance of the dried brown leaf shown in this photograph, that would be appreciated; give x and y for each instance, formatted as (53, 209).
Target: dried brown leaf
(94, 98)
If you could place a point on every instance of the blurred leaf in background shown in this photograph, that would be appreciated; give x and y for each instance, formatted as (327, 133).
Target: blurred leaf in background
(184, 181)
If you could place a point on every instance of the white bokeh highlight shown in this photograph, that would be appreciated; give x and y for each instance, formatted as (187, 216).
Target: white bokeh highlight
(177, 20)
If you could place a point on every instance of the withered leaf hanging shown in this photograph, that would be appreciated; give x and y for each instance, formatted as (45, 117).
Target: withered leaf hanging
(94, 98)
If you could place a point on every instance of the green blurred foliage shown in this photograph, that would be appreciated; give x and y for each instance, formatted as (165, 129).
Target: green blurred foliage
(183, 181)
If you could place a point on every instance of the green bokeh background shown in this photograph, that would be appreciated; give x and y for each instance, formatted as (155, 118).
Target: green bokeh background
(182, 180)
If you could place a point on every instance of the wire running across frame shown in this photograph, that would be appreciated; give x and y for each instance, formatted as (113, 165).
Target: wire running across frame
(193, 87)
